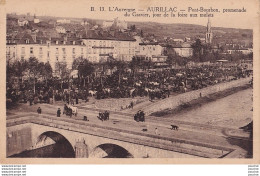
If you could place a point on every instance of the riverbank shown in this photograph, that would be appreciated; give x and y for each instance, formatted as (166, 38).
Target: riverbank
(196, 103)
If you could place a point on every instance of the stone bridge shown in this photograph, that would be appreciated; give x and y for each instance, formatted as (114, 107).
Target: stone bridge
(82, 139)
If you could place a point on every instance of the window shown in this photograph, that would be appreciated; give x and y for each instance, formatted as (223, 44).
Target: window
(64, 50)
(73, 42)
(27, 41)
(73, 50)
(31, 50)
(57, 42)
(57, 50)
(48, 54)
(100, 43)
(81, 50)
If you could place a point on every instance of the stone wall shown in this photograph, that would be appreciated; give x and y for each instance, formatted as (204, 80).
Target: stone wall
(174, 101)
(18, 139)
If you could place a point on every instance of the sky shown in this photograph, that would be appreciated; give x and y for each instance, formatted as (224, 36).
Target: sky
(81, 9)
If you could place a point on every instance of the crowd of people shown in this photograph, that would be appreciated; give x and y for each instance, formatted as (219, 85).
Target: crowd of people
(151, 83)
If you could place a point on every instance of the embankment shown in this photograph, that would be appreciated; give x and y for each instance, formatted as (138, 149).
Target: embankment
(174, 102)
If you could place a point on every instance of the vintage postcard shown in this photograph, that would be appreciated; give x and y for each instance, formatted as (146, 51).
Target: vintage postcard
(139, 81)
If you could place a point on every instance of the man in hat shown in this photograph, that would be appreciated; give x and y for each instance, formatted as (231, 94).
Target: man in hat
(39, 110)
(58, 112)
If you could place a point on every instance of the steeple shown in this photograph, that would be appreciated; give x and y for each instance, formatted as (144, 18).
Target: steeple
(209, 26)
(209, 34)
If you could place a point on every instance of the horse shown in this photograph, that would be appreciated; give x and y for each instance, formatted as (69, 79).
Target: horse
(67, 111)
(132, 92)
(74, 110)
(92, 92)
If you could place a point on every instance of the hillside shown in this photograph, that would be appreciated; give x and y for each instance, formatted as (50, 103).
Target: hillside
(178, 30)
(161, 30)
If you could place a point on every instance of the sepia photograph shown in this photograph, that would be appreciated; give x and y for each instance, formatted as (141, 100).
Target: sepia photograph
(141, 80)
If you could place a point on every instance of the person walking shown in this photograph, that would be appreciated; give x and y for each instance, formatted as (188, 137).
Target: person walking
(58, 112)
(132, 105)
(85, 118)
(77, 100)
(39, 110)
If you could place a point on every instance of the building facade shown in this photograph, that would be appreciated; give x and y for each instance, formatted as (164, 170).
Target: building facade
(100, 46)
(183, 50)
(66, 50)
(52, 50)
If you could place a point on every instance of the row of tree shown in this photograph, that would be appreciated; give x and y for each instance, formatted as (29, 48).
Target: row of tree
(30, 69)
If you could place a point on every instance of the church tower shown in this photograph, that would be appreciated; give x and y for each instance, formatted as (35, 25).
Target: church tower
(209, 34)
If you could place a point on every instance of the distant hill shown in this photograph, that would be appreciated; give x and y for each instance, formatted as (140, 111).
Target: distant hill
(178, 30)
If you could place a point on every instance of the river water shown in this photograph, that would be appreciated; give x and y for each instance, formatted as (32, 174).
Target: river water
(232, 111)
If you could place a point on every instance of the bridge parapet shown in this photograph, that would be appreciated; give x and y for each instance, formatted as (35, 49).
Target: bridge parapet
(95, 135)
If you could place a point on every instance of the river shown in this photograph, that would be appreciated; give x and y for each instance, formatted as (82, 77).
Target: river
(232, 111)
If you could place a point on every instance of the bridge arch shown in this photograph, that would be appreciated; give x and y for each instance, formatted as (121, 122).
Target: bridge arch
(58, 146)
(110, 150)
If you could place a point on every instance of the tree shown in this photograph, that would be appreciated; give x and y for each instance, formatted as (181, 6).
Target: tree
(121, 66)
(197, 50)
(17, 68)
(132, 28)
(171, 59)
(46, 71)
(63, 71)
(84, 67)
(33, 70)
(141, 33)
(134, 65)
(171, 53)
